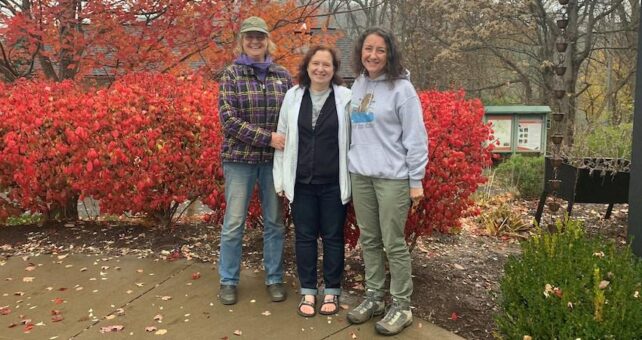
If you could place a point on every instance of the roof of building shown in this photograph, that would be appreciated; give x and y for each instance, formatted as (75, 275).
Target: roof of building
(517, 109)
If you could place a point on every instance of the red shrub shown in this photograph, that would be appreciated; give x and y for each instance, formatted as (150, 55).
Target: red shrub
(35, 147)
(459, 149)
(148, 133)
(150, 142)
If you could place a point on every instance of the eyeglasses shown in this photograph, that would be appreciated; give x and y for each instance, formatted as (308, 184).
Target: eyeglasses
(255, 36)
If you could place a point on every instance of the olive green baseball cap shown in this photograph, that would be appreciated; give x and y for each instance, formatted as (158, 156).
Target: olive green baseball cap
(254, 24)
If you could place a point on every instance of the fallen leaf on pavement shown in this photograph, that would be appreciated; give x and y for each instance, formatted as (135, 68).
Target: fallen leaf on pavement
(5, 310)
(352, 335)
(266, 313)
(165, 298)
(454, 316)
(55, 312)
(238, 332)
(28, 328)
(150, 329)
(161, 332)
(57, 318)
(58, 300)
(112, 328)
(28, 279)
(31, 267)
(196, 276)
(111, 316)
(158, 318)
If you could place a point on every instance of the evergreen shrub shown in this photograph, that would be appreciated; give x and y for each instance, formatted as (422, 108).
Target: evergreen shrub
(524, 173)
(566, 285)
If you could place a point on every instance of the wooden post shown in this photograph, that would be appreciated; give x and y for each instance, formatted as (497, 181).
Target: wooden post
(635, 185)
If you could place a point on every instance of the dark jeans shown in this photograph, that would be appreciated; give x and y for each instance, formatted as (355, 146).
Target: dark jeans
(317, 211)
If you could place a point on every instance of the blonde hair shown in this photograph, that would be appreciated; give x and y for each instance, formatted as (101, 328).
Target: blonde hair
(238, 49)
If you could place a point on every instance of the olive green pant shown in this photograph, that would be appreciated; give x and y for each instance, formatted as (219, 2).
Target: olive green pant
(381, 207)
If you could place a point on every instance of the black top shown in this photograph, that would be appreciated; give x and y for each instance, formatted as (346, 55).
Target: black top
(318, 158)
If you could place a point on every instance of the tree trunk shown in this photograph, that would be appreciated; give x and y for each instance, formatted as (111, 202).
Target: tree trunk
(66, 212)
(572, 71)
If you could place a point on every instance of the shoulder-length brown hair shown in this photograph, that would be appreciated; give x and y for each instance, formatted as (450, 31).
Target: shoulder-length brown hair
(393, 69)
(304, 78)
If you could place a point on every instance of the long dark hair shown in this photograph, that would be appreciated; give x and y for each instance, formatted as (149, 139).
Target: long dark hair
(304, 78)
(393, 69)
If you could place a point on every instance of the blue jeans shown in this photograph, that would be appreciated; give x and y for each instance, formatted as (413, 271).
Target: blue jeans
(317, 211)
(239, 183)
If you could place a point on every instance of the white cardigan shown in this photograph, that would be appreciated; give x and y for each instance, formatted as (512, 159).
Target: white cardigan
(285, 160)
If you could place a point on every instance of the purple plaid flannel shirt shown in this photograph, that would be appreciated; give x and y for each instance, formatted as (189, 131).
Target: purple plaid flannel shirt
(249, 112)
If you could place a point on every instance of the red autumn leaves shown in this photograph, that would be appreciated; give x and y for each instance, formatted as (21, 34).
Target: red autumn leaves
(143, 145)
(149, 142)
(459, 149)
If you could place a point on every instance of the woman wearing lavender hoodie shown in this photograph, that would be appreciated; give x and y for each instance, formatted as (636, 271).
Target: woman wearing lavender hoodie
(387, 161)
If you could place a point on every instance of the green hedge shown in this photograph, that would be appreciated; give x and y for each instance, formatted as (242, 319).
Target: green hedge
(526, 174)
(567, 286)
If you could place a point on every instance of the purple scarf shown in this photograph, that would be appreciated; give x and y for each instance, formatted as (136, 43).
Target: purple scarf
(260, 68)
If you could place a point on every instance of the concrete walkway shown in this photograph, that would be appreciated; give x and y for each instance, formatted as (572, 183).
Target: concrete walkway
(122, 296)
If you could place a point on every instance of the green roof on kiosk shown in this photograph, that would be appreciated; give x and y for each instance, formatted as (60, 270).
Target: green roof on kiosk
(517, 109)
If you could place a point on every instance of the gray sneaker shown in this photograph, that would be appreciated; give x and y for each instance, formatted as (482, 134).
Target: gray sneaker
(397, 318)
(370, 307)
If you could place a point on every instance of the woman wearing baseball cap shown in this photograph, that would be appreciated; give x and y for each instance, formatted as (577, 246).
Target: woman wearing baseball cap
(251, 90)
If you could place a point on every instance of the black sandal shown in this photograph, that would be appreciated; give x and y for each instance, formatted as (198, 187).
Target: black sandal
(334, 301)
(304, 302)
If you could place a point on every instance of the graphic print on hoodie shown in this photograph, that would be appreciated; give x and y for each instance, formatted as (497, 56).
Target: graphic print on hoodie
(362, 114)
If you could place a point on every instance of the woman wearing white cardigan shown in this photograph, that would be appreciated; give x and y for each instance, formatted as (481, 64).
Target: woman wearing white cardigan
(312, 173)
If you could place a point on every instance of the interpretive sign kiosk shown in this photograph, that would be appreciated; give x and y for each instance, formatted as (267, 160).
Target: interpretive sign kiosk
(518, 128)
